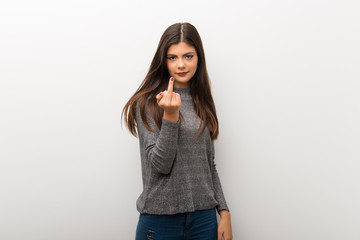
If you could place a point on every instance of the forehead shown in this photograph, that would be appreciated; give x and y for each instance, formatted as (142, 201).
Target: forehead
(180, 48)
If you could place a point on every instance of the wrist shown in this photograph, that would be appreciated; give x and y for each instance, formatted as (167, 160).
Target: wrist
(224, 214)
(173, 117)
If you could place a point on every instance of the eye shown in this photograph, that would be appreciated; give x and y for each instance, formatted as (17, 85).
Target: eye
(171, 58)
(189, 56)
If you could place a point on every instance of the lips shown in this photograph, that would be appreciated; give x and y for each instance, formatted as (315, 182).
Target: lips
(181, 74)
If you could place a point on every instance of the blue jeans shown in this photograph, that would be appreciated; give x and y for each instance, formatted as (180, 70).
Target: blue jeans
(198, 225)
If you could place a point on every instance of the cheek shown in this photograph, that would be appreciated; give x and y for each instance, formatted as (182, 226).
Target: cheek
(194, 65)
(170, 67)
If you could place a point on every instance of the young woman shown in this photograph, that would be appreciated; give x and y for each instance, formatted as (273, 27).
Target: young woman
(173, 114)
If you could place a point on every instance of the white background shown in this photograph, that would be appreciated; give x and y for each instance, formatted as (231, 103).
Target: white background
(285, 79)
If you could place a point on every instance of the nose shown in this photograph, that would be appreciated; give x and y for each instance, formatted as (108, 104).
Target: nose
(181, 64)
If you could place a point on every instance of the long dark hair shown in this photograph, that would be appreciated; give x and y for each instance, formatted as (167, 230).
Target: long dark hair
(157, 80)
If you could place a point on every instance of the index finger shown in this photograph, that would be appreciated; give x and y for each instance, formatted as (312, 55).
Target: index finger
(171, 85)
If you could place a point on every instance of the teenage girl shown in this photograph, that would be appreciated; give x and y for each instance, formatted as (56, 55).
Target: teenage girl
(174, 116)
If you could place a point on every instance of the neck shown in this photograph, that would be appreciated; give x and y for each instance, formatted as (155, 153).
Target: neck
(181, 85)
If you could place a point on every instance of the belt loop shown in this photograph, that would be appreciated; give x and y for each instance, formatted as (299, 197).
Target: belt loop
(188, 218)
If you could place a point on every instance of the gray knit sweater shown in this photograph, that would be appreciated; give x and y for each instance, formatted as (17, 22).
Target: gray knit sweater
(178, 168)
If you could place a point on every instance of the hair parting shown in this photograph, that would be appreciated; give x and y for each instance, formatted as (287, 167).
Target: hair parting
(182, 33)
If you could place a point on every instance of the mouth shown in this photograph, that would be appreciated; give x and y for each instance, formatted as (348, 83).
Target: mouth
(181, 74)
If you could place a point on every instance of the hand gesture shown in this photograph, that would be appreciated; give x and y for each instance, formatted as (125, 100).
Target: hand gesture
(170, 102)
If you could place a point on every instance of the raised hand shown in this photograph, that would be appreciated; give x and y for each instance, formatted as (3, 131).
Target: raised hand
(170, 102)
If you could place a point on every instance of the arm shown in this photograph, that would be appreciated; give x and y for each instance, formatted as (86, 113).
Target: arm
(219, 195)
(224, 228)
(159, 146)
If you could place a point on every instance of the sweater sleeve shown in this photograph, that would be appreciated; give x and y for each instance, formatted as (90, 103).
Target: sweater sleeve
(219, 195)
(159, 147)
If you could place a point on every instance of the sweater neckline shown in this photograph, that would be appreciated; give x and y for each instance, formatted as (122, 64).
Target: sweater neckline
(182, 89)
(184, 92)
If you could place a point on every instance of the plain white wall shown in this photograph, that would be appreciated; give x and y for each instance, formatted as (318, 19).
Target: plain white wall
(285, 78)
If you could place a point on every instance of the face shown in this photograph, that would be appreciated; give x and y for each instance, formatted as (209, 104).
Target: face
(182, 63)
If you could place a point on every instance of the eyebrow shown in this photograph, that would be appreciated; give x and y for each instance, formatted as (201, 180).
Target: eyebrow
(183, 55)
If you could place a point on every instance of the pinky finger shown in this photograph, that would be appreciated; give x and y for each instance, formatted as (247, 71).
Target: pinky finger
(159, 96)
